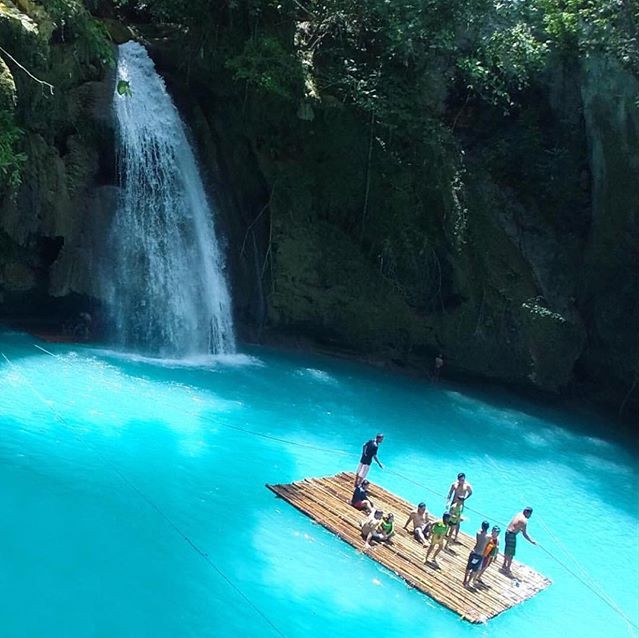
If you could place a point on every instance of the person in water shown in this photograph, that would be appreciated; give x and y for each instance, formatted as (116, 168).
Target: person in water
(476, 556)
(370, 529)
(460, 489)
(438, 537)
(360, 499)
(455, 519)
(421, 526)
(369, 454)
(437, 368)
(490, 552)
(518, 524)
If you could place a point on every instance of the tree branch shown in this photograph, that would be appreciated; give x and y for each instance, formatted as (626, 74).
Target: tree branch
(33, 77)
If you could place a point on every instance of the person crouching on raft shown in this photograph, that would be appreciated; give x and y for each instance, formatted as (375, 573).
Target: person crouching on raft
(360, 499)
(378, 529)
(387, 526)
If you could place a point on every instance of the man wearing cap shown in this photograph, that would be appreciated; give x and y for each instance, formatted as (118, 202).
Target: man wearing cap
(518, 524)
(421, 526)
(369, 453)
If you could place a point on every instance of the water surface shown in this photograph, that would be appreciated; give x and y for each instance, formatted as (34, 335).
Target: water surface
(104, 455)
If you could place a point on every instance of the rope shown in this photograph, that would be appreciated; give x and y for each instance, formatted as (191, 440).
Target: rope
(603, 596)
(176, 528)
(593, 585)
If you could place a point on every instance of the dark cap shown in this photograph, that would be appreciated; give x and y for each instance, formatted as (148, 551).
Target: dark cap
(496, 529)
(421, 505)
(461, 475)
(379, 435)
(485, 525)
(528, 509)
(446, 516)
(365, 482)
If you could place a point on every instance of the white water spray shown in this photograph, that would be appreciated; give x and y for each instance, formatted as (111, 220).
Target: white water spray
(166, 287)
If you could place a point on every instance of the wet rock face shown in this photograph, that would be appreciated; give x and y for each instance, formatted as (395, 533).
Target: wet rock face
(47, 223)
(509, 285)
(609, 95)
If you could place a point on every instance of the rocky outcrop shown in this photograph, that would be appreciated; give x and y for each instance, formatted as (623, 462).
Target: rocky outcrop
(509, 283)
(609, 295)
(509, 246)
(49, 223)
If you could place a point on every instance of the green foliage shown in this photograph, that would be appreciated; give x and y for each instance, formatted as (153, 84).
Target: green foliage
(124, 88)
(11, 159)
(578, 27)
(267, 65)
(503, 63)
(88, 36)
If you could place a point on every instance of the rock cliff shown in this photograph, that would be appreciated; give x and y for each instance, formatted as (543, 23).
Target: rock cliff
(508, 243)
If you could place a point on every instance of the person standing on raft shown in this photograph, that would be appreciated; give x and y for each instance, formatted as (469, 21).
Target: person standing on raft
(518, 524)
(369, 453)
(460, 490)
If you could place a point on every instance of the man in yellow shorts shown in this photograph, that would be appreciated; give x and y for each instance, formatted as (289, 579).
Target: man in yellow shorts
(438, 537)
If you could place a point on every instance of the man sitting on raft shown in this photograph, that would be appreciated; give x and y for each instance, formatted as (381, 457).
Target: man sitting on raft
(378, 528)
(421, 526)
(361, 500)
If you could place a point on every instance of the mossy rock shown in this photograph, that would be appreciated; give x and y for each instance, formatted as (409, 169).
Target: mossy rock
(554, 344)
(7, 88)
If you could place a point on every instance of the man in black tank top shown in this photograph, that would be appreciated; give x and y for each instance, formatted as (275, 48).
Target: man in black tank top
(369, 453)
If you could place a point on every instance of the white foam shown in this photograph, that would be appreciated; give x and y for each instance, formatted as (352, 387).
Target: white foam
(205, 361)
(317, 375)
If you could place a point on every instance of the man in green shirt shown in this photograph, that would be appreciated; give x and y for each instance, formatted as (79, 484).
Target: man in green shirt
(438, 537)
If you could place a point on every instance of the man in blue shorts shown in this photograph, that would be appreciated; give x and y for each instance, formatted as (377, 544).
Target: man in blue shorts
(476, 557)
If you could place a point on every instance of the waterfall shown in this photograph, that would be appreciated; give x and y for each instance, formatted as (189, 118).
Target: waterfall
(165, 284)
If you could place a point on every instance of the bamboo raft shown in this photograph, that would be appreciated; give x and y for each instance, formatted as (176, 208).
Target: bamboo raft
(327, 501)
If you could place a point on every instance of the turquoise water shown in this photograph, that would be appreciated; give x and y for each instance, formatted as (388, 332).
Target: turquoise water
(100, 454)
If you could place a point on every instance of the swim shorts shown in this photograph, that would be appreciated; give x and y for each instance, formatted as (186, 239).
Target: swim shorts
(510, 544)
(362, 470)
(474, 561)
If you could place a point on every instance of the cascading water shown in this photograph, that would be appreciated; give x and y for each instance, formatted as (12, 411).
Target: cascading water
(166, 289)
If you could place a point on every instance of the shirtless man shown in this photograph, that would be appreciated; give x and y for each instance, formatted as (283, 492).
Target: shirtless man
(459, 490)
(518, 524)
(476, 557)
(370, 529)
(421, 526)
